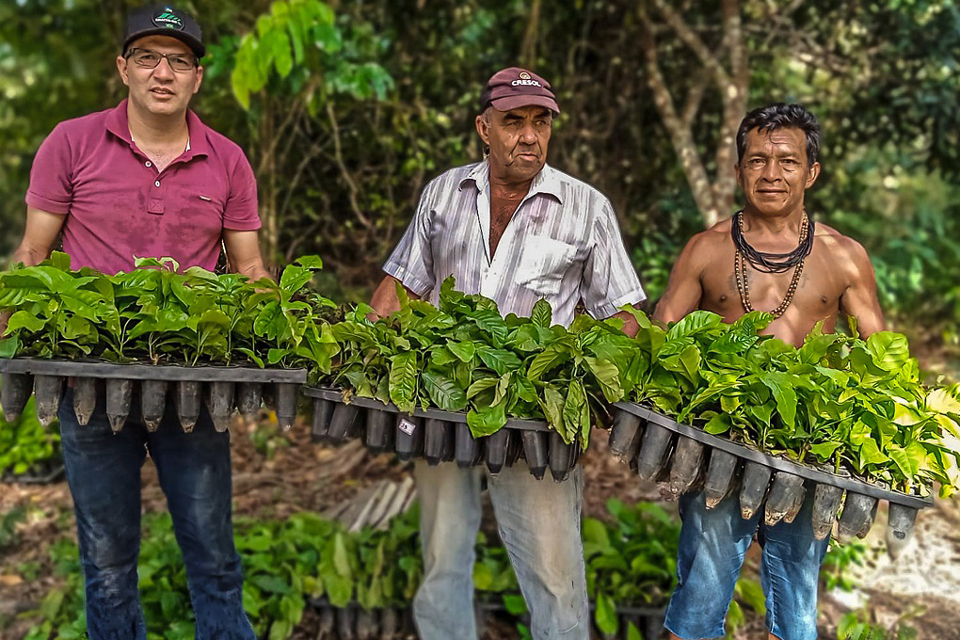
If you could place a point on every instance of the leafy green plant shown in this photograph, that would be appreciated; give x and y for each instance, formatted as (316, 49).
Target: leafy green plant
(8, 526)
(157, 314)
(857, 625)
(25, 443)
(631, 562)
(835, 568)
(856, 406)
(464, 356)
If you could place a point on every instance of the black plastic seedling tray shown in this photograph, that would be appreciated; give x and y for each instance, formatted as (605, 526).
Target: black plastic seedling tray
(684, 458)
(352, 622)
(221, 388)
(439, 436)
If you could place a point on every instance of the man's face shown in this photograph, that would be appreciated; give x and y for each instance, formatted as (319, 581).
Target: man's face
(518, 140)
(161, 91)
(774, 172)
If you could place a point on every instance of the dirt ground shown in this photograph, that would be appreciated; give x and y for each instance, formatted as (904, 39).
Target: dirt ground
(288, 474)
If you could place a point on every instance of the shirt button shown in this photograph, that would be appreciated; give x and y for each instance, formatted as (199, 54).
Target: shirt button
(157, 183)
(149, 164)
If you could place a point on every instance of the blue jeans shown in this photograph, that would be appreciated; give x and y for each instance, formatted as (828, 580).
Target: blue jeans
(103, 471)
(713, 543)
(539, 522)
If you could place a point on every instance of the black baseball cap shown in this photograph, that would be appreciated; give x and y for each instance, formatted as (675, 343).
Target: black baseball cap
(163, 20)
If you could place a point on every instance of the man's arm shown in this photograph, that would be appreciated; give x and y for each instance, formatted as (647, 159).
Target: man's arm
(684, 290)
(40, 234)
(243, 250)
(385, 300)
(860, 298)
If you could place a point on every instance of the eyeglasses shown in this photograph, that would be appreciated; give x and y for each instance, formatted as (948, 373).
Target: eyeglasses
(150, 59)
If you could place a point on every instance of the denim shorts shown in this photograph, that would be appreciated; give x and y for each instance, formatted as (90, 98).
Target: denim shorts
(713, 543)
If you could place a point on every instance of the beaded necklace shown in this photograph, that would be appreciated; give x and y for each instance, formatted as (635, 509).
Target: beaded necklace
(769, 262)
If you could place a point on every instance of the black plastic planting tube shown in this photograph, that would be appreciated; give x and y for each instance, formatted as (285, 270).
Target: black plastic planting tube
(15, 390)
(438, 441)
(684, 468)
(535, 450)
(654, 451)
(496, 446)
(778, 464)
(85, 392)
(47, 390)
(153, 402)
(379, 436)
(322, 415)
(468, 451)
(720, 474)
(625, 436)
(119, 393)
(563, 456)
(249, 398)
(409, 437)
(341, 425)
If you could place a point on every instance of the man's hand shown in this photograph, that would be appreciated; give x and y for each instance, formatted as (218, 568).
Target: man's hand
(385, 300)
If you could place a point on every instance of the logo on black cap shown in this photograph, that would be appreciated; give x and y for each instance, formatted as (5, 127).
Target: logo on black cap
(167, 18)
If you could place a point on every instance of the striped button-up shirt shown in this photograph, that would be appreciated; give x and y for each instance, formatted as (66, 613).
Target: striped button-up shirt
(562, 244)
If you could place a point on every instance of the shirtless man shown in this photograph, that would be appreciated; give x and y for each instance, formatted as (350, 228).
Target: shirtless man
(777, 259)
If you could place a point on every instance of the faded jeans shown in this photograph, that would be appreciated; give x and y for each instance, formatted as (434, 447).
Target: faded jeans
(539, 523)
(713, 543)
(103, 471)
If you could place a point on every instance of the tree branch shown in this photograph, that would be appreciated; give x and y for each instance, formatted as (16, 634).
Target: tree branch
(692, 40)
(680, 136)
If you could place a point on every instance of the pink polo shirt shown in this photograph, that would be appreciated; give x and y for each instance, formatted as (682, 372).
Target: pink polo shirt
(118, 206)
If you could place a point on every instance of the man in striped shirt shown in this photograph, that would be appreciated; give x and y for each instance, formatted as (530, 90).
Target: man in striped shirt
(515, 230)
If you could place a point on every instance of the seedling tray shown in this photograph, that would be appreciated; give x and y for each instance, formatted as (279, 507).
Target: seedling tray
(439, 436)
(685, 458)
(352, 622)
(221, 388)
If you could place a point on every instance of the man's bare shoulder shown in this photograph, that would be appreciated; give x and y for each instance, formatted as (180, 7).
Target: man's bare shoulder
(712, 238)
(839, 245)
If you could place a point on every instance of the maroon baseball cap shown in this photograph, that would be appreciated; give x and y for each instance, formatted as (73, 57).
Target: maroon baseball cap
(515, 87)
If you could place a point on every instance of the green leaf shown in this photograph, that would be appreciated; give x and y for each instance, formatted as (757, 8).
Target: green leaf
(464, 351)
(720, 423)
(890, 350)
(694, 323)
(500, 360)
(781, 386)
(444, 392)
(607, 376)
(486, 421)
(542, 314)
(606, 615)
(403, 381)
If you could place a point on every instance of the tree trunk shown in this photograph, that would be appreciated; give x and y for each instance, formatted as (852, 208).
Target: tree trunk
(714, 194)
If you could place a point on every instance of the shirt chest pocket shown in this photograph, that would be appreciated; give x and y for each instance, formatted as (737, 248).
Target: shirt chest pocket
(543, 264)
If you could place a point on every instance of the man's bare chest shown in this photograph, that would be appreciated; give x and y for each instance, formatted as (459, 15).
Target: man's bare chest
(815, 291)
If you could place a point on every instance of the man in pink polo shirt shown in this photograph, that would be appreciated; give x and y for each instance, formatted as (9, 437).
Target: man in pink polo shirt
(148, 178)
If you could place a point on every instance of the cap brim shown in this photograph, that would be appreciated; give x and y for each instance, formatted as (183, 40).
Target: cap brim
(195, 45)
(515, 102)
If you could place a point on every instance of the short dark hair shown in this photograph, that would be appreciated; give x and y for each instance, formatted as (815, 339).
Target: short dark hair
(781, 116)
